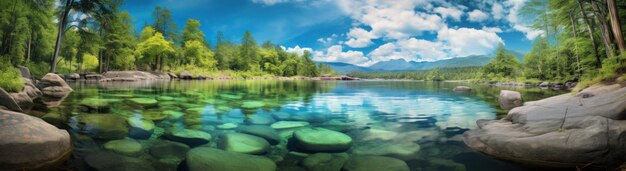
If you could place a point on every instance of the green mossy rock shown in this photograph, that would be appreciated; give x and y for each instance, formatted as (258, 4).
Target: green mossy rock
(172, 114)
(206, 158)
(227, 126)
(266, 132)
(165, 98)
(325, 161)
(139, 128)
(98, 104)
(145, 102)
(374, 163)
(126, 147)
(187, 136)
(403, 151)
(243, 143)
(231, 96)
(154, 115)
(169, 153)
(110, 161)
(289, 124)
(322, 140)
(252, 104)
(103, 126)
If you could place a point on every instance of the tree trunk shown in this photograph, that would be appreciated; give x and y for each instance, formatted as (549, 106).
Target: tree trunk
(29, 47)
(591, 30)
(616, 26)
(574, 30)
(604, 28)
(57, 46)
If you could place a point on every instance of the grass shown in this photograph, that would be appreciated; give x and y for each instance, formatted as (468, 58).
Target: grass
(10, 78)
(613, 71)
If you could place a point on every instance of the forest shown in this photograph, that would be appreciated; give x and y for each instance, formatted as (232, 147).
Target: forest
(95, 36)
(582, 41)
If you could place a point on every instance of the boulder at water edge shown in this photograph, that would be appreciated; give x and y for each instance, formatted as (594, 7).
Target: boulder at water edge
(510, 99)
(461, 88)
(30, 143)
(7, 101)
(321, 140)
(374, 163)
(560, 131)
(205, 158)
(53, 85)
(266, 132)
(243, 143)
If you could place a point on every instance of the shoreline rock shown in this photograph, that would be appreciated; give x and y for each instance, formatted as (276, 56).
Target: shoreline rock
(561, 131)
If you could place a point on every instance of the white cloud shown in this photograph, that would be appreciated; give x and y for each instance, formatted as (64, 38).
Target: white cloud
(274, 2)
(497, 11)
(297, 49)
(450, 12)
(359, 38)
(477, 16)
(411, 49)
(518, 24)
(468, 41)
(336, 54)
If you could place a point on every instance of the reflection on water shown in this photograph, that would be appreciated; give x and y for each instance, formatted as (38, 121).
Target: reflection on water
(418, 122)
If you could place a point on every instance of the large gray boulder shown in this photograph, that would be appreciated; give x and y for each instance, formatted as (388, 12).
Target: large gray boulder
(53, 85)
(206, 158)
(72, 76)
(510, 99)
(30, 143)
(130, 76)
(266, 132)
(561, 131)
(7, 101)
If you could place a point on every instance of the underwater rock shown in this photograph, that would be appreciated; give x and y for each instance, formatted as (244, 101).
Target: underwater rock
(165, 98)
(259, 119)
(266, 132)
(289, 124)
(510, 99)
(172, 114)
(444, 164)
(55, 118)
(109, 161)
(559, 131)
(400, 150)
(30, 143)
(374, 163)
(169, 153)
(231, 96)
(127, 147)
(205, 158)
(243, 143)
(252, 104)
(325, 161)
(227, 126)
(322, 140)
(139, 128)
(187, 136)
(461, 89)
(337, 125)
(281, 115)
(53, 85)
(154, 115)
(145, 102)
(98, 104)
(103, 126)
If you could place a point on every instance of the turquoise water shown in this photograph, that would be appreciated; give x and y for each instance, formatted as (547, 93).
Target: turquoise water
(420, 123)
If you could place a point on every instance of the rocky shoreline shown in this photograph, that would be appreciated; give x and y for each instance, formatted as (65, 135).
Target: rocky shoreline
(129, 76)
(585, 129)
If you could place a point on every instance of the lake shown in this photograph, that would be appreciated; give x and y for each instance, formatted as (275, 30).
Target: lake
(151, 124)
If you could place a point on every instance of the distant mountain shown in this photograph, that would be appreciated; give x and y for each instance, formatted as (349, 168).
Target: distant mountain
(402, 65)
(345, 67)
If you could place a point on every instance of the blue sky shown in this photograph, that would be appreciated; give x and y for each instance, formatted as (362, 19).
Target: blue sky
(360, 32)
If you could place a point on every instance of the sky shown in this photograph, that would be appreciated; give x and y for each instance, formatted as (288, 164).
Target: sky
(359, 32)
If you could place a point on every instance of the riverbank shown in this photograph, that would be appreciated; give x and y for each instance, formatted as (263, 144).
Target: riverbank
(573, 130)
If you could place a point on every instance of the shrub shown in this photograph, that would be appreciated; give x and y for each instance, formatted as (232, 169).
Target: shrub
(10, 78)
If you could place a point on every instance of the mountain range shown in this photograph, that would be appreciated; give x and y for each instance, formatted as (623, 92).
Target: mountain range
(403, 65)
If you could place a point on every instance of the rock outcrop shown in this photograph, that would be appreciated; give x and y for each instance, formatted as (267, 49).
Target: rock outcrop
(53, 85)
(133, 76)
(510, 99)
(561, 131)
(30, 143)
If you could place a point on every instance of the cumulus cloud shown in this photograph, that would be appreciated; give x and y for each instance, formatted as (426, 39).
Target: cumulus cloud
(274, 2)
(449, 12)
(335, 53)
(359, 38)
(477, 16)
(297, 49)
(518, 24)
(497, 11)
(411, 49)
(469, 41)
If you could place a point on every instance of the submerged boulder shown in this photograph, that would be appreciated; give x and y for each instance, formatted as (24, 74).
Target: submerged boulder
(30, 143)
(169, 154)
(243, 143)
(106, 160)
(206, 158)
(325, 161)
(266, 132)
(374, 163)
(139, 128)
(145, 102)
(321, 140)
(127, 147)
(103, 126)
(510, 99)
(188, 136)
(560, 131)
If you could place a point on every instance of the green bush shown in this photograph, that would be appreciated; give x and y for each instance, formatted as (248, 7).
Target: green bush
(10, 78)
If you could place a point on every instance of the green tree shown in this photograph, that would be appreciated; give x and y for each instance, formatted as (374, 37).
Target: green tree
(154, 49)
(198, 54)
(163, 23)
(248, 56)
(502, 66)
(192, 32)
